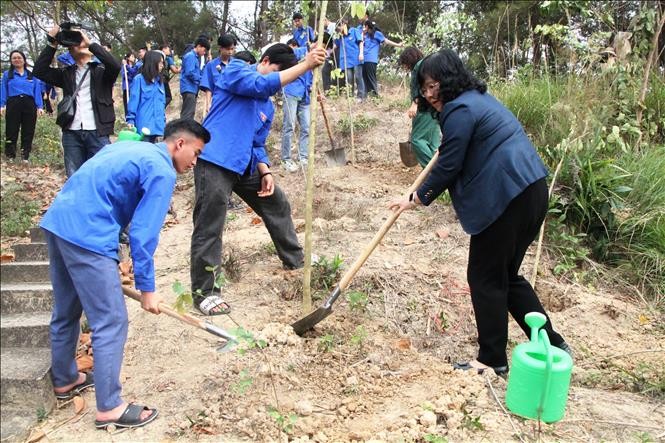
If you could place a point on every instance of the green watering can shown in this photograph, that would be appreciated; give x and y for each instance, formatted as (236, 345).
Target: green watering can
(132, 135)
(539, 376)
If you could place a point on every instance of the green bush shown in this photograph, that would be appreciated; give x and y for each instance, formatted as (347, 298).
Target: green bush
(16, 211)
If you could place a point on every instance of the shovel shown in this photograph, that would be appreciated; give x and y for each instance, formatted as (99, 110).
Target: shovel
(310, 320)
(335, 156)
(231, 340)
(407, 155)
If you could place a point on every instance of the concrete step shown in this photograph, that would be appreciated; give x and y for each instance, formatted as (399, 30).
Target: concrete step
(27, 390)
(16, 298)
(37, 235)
(30, 252)
(24, 272)
(25, 330)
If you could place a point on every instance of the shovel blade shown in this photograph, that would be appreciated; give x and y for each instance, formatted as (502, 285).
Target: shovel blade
(335, 157)
(406, 154)
(310, 320)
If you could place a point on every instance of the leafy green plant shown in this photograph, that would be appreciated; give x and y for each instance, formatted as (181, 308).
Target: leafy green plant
(41, 414)
(244, 382)
(17, 211)
(285, 422)
(472, 423)
(359, 337)
(326, 272)
(326, 343)
(361, 122)
(184, 299)
(247, 341)
(434, 438)
(357, 301)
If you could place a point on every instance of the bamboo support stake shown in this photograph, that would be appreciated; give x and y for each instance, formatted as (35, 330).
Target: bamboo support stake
(309, 181)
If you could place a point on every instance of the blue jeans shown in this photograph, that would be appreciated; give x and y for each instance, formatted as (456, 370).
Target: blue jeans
(83, 280)
(354, 78)
(295, 106)
(80, 146)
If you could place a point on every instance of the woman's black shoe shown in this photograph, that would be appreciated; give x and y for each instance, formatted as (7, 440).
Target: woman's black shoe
(501, 371)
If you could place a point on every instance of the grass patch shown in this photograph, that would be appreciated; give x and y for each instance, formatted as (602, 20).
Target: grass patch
(360, 123)
(17, 210)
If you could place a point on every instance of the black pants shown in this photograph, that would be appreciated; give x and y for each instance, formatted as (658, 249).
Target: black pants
(21, 114)
(167, 92)
(325, 74)
(188, 109)
(47, 103)
(213, 187)
(369, 76)
(495, 256)
(124, 101)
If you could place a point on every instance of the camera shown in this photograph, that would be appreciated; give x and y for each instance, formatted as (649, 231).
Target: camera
(68, 36)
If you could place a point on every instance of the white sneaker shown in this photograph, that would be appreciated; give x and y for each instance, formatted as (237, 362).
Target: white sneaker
(303, 162)
(289, 165)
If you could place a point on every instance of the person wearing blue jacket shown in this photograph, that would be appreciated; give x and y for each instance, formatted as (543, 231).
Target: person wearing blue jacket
(498, 187)
(296, 104)
(351, 56)
(372, 41)
(126, 184)
(147, 98)
(190, 77)
(21, 99)
(236, 160)
(213, 69)
(303, 34)
(130, 69)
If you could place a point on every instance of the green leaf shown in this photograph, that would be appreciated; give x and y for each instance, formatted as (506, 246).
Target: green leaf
(178, 288)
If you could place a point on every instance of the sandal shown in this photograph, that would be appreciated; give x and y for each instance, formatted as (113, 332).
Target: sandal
(131, 418)
(501, 371)
(207, 305)
(77, 389)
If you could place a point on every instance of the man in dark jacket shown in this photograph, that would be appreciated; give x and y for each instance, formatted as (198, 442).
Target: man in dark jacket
(95, 115)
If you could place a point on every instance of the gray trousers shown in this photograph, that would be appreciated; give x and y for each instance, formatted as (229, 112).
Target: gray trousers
(213, 187)
(188, 105)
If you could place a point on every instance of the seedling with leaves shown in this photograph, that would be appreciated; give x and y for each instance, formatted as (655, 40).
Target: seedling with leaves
(434, 438)
(359, 336)
(285, 422)
(184, 299)
(357, 301)
(244, 382)
(326, 343)
(247, 341)
(326, 272)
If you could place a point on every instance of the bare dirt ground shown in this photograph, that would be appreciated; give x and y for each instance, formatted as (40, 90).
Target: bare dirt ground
(382, 373)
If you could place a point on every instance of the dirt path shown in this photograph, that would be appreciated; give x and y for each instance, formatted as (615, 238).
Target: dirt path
(391, 379)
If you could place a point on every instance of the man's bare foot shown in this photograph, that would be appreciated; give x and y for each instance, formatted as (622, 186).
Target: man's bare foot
(67, 388)
(116, 412)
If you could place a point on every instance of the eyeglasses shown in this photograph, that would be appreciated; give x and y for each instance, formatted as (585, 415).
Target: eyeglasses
(432, 87)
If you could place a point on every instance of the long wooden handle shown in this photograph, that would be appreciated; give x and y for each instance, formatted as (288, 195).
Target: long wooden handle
(346, 279)
(185, 318)
(325, 120)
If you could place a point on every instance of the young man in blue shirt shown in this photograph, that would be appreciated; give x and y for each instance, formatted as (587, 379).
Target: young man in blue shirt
(128, 183)
(190, 78)
(350, 44)
(169, 68)
(303, 34)
(213, 69)
(236, 161)
(296, 104)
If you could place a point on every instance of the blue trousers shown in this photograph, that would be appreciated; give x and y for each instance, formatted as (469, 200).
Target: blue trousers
(80, 146)
(295, 107)
(86, 281)
(354, 76)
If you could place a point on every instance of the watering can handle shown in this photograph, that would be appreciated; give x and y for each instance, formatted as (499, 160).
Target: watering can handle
(549, 359)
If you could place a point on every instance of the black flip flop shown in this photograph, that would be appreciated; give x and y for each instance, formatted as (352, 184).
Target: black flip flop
(131, 418)
(77, 389)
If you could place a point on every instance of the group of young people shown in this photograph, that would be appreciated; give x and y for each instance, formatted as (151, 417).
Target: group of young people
(493, 173)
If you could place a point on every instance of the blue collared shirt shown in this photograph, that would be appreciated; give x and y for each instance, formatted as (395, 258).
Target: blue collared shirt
(124, 182)
(190, 77)
(146, 105)
(20, 85)
(211, 72)
(236, 115)
(132, 71)
(349, 49)
(300, 87)
(303, 35)
(371, 47)
(66, 59)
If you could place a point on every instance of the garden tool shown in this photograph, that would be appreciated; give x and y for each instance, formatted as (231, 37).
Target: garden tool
(310, 320)
(407, 155)
(335, 156)
(231, 340)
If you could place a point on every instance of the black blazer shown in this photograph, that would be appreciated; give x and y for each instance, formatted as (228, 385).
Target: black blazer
(102, 78)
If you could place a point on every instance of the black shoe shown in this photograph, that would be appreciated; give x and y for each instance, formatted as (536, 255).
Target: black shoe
(501, 371)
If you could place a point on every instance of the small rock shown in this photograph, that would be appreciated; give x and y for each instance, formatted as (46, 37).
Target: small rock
(352, 381)
(352, 406)
(304, 408)
(343, 411)
(427, 419)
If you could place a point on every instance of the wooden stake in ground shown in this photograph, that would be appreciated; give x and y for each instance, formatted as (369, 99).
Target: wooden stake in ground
(309, 181)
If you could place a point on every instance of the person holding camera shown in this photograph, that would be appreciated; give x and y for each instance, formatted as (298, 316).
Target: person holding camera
(85, 114)
(21, 98)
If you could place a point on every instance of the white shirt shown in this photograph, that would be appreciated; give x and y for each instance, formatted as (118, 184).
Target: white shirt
(84, 117)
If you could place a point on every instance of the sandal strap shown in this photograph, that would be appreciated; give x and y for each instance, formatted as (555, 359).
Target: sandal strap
(211, 302)
(132, 413)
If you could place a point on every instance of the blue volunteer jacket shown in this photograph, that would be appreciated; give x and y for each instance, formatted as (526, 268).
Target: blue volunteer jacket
(485, 160)
(371, 47)
(211, 72)
(132, 71)
(124, 182)
(25, 84)
(190, 76)
(237, 114)
(303, 35)
(349, 48)
(147, 103)
(301, 86)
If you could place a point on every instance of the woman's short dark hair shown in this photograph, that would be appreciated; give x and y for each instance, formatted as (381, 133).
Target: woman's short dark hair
(370, 27)
(446, 68)
(16, 51)
(245, 56)
(409, 57)
(191, 126)
(280, 54)
(150, 68)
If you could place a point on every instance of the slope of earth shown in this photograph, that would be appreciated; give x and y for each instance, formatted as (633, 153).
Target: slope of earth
(377, 371)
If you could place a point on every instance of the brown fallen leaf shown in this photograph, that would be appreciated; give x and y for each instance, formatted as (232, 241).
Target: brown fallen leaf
(443, 233)
(249, 210)
(403, 344)
(6, 258)
(256, 221)
(79, 404)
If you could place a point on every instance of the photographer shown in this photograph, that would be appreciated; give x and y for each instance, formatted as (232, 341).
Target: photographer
(94, 115)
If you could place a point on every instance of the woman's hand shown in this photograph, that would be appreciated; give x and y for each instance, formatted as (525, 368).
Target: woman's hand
(402, 204)
(267, 185)
(413, 109)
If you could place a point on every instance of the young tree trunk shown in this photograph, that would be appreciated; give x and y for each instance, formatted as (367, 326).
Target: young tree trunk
(225, 15)
(158, 14)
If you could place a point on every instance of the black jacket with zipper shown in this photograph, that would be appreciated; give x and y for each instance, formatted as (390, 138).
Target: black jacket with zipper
(102, 78)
